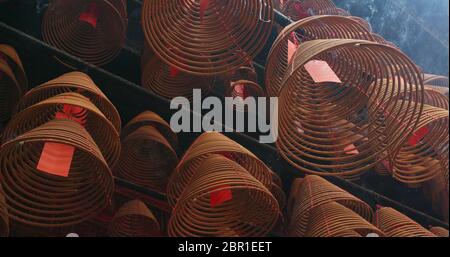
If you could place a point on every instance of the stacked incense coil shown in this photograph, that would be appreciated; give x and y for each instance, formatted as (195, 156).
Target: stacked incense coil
(93, 30)
(4, 222)
(434, 97)
(394, 224)
(13, 81)
(314, 192)
(169, 82)
(223, 199)
(148, 156)
(317, 27)
(440, 232)
(342, 125)
(43, 199)
(213, 36)
(134, 219)
(214, 143)
(438, 83)
(335, 220)
(300, 9)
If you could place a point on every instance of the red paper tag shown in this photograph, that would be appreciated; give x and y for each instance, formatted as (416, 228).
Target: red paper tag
(56, 158)
(301, 13)
(418, 135)
(241, 90)
(90, 15)
(203, 6)
(220, 197)
(351, 150)
(320, 72)
(173, 71)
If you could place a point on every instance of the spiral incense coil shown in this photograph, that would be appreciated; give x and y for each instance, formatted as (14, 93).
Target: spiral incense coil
(147, 159)
(335, 220)
(395, 224)
(13, 82)
(213, 37)
(148, 118)
(314, 191)
(97, 125)
(440, 232)
(40, 199)
(382, 170)
(246, 72)
(436, 80)
(279, 194)
(418, 162)
(134, 219)
(241, 91)
(168, 82)
(300, 9)
(316, 27)
(214, 143)
(324, 127)
(250, 210)
(362, 21)
(4, 223)
(93, 30)
(435, 97)
(72, 82)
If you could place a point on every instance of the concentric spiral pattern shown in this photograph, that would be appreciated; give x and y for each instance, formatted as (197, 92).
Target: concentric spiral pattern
(313, 192)
(44, 200)
(214, 143)
(345, 128)
(395, 224)
(93, 30)
(210, 39)
(317, 27)
(440, 232)
(250, 211)
(147, 157)
(13, 81)
(438, 83)
(4, 222)
(134, 219)
(300, 9)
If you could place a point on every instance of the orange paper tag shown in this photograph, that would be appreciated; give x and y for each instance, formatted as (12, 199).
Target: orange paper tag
(90, 15)
(220, 197)
(320, 72)
(418, 135)
(351, 150)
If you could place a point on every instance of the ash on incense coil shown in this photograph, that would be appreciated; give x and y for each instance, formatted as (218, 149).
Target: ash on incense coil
(335, 220)
(41, 199)
(394, 224)
(214, 143)
(300, 9)
(440, 232)
(337, 126)
(72, 82)
(147, 158)
(169, 82)
(314, 191)
(317, 27)
(213, 36)
(97, 125)
(134, 219)
(223, 199)
(93, 30)
(4, 222)
(421, 159)
(13, 81)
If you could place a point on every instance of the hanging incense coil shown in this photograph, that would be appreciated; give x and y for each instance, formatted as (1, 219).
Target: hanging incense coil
(213, 37)
(395, 224)
(97, 125)
(93, 30)
(435, 97)
(300, 9)
(363, 22)
(169, 82)
(440, 232)
(72, 82)
(41, 199)
(214, 143)
(317, 27)
(246, 72)
(4, 222)
(340, 129)
(314, 191)
(247, 210)
(383, 168)
(335, 220)
(147, 159)
(436, 80)
(13, 81)
(134, 219)
(241, 90)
